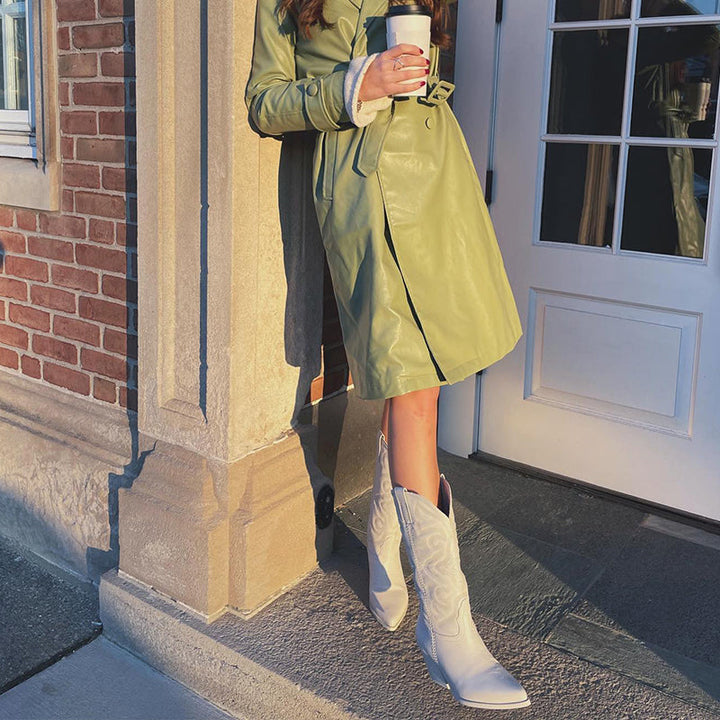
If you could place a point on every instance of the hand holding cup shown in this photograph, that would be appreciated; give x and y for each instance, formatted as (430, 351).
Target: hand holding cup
(392, 71)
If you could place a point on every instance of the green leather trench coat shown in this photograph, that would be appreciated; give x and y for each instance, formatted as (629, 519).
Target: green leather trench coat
(422, 293)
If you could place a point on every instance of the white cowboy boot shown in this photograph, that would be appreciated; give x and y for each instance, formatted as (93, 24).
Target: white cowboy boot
(388, 596)
(454, 652)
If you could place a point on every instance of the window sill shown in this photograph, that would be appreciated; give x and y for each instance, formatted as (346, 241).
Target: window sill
(24, 182)
(20, 151)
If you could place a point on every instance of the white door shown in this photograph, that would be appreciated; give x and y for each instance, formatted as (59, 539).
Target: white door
(607, 212)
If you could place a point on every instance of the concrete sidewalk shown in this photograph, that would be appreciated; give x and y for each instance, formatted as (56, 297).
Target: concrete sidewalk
(601, 610)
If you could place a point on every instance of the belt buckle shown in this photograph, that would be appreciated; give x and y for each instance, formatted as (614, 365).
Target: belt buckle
(440, 91)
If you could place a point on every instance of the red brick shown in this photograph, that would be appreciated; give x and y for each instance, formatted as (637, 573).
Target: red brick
(50, 248)
(54, 348)
(101, 150)
(102, 204)
(117, 64)
(68, 203)
(63, 38)
(63, 225)
(30, 366)
(76, 278)
(101, 257)
(127, 235)
(111, 8)
(64, 94)
(78, 122)
(99, 36)
(6, 216)
(77, 175)
(119, 179)
(52, 298)
(66, 377)
(76, 65)
(12, 242)
(8, 358)
(108, 94)
(77, 330)
(13, 336)
(72, 10)
(104, 390)
(120, 342)
(119, 288)
(128, 398)
(26, 219)
(102, 231)
(102, 311)
(29, 317)
(16, 289)
(103, 364)
(26, 267)
(117, 123)
(67, 148)
(2, 309)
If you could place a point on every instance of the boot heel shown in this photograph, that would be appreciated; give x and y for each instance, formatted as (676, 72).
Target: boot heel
(434, 670)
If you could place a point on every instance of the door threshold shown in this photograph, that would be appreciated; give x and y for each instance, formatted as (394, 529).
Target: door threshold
(665, 511)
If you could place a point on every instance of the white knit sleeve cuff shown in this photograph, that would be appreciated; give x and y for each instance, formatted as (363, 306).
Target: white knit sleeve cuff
(351, 89)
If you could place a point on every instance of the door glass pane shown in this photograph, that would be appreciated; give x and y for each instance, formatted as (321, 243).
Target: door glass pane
(666, 197)
(579, 193)
(676, 81)
(587, 81)
(13, 56)
(574, 10)
(662, 8)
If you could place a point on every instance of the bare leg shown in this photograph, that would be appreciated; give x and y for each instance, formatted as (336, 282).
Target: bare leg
(412, 441)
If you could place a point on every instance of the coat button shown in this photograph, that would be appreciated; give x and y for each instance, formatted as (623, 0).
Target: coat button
(312, 89)
(429, 121)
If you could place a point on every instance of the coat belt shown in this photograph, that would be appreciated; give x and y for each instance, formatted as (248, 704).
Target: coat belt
(373, 135)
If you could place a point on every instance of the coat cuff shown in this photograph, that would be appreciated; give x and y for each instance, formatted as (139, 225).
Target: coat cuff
(351, 89)
(324, 101)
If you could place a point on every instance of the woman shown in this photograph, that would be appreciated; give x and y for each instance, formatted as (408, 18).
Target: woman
(422, 293)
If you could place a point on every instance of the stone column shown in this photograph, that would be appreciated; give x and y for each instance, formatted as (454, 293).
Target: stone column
(223, 514)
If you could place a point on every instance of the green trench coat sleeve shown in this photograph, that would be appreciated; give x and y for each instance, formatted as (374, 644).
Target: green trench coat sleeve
(277, 100)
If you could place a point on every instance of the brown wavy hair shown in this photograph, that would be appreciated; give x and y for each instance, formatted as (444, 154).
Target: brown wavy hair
(307, 13)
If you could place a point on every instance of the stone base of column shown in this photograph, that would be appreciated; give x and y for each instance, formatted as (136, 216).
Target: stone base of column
(220, 537)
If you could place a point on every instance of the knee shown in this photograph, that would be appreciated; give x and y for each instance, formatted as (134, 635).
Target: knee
(419, 403)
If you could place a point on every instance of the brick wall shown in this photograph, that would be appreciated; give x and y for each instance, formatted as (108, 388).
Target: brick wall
(68, 279)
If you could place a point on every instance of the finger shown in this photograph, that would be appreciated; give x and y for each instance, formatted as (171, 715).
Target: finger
(397, 75)
(402, 87)
(404, 48)
(411, 61)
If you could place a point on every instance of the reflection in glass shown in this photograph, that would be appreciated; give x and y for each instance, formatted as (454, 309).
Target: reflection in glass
(13, 56)
(666, 197)
(676, 81)
(587, 81)
(579, 193)
(575, 10)
(662, 8)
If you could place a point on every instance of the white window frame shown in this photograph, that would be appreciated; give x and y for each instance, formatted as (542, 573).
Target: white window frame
(17, 127)
(30, 157)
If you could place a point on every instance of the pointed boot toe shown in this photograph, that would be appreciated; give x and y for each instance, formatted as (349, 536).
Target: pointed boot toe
(387, 593)
(493, 689)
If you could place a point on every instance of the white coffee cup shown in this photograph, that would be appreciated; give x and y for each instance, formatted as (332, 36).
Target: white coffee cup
(409, 24)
